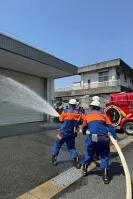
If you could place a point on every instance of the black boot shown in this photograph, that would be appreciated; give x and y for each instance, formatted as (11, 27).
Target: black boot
(77, 163)
(54, 160)
(105, 176)
(84, 172)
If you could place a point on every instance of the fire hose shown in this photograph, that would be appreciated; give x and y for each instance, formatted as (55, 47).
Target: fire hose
(125, 167)
(120, 112)
(126, 170)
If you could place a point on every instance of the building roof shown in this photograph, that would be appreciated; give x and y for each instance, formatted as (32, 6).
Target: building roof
(106, 64)
(19, 56)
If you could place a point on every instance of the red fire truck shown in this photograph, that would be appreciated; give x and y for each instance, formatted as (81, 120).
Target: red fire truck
(120, 111)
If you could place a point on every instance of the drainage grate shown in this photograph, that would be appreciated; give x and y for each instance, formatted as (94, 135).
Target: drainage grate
(68, 177)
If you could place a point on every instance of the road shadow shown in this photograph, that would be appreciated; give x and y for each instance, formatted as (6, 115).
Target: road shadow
(65, 161)
(115, 169)
(70, 160)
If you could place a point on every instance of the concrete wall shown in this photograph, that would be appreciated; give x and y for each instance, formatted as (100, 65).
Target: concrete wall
(105, 98)
(79, 93)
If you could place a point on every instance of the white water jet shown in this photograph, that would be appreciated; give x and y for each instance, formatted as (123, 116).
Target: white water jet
(16, 93)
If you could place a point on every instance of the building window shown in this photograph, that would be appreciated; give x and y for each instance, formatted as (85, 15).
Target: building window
(125, 77)
(103, 76)
(89, 81)
(118, 75)
(131, 82)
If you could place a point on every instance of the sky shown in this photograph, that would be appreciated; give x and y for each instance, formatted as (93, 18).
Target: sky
(81, 32)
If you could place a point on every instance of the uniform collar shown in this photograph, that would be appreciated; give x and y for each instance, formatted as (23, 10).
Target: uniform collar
(94, 111)
(71, 108)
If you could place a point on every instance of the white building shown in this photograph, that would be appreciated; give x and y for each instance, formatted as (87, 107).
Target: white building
(33, 68)
(101, 79)
(106, 74)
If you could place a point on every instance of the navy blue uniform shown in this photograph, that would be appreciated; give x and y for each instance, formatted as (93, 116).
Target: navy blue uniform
(70, 119)
(98, 141)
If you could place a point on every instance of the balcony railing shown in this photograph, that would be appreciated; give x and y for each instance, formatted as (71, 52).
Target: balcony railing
(91, 85)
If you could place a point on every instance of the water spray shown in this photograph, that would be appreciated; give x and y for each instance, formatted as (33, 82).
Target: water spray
(16, 93)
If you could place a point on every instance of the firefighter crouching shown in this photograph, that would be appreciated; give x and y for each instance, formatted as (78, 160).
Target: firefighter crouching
(70, 119)
(98, 140)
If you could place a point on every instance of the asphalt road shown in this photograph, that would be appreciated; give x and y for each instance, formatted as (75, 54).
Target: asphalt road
(25, 162)
(92, 187)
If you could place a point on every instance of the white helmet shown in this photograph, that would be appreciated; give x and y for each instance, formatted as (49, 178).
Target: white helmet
(72, 102)
(95, 103)
(96, 98)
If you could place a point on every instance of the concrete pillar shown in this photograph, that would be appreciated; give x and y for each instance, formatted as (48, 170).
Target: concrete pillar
(50, 94)
(50, 91)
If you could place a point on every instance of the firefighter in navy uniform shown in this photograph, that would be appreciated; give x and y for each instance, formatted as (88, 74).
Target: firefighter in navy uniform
(102, 110)
(70, 119)
(98, 141)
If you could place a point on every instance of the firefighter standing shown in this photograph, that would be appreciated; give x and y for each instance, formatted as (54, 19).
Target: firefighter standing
(98, 99)
(70, 119)
(98, 140)
(102, 110)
